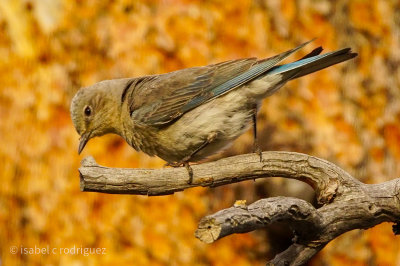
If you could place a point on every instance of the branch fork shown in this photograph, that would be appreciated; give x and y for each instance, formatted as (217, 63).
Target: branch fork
(346, 203)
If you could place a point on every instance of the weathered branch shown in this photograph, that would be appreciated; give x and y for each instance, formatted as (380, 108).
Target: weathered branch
(323, 176)
(314, 228)
(242, 219)
(349, 204)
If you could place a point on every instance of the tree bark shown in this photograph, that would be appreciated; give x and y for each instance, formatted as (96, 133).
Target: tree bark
(347, 203)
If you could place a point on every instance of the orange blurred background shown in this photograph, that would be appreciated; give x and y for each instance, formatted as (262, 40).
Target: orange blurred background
(348, 114)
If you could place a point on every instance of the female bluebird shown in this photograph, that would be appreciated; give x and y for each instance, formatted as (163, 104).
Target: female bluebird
(189, 114)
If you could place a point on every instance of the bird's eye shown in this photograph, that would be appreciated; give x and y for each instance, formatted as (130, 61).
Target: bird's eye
(88, 111)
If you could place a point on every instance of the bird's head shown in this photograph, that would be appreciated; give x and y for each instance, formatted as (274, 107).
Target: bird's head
(95, 110)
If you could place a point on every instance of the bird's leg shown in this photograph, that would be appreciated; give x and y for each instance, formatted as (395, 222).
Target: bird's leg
(256, 147)
(186, 159)
(190, 171)
(183, 162)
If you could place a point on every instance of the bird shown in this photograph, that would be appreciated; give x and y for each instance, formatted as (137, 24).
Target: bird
(187, 115)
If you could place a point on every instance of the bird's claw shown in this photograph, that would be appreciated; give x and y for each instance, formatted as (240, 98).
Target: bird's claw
(257, 149)
(184, 163)
(175, 164)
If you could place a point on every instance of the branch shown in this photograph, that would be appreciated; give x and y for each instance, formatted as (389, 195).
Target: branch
(242, 219)
(349, 204)
(323, 176)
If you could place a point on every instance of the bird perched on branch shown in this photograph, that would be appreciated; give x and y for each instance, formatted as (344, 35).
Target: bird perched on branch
(189, 114)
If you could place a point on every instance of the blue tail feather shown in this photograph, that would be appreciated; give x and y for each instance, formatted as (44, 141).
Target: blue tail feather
(311, 64)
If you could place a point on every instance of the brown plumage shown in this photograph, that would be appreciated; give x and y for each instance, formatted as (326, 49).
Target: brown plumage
(192, 113)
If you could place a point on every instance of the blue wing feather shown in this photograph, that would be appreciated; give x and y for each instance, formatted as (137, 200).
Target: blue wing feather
(257, 70)
(176, 93)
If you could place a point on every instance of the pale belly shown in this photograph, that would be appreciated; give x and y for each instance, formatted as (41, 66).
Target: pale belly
(227, 117)
(222, 118)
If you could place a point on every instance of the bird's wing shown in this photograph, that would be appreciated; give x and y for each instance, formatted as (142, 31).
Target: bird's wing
(160, 99)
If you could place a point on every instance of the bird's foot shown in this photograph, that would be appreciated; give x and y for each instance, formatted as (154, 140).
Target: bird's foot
(257, 149)
(174, 164)
(184, 163)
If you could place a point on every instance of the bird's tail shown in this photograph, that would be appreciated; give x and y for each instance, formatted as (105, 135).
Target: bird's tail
(311, 63)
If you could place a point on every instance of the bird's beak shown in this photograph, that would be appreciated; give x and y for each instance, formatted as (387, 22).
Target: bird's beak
(82, 141)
